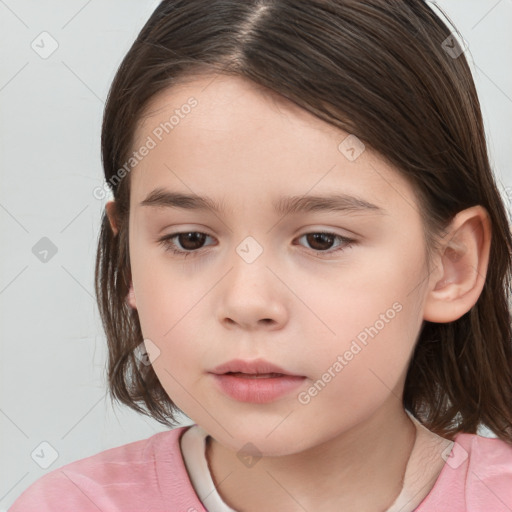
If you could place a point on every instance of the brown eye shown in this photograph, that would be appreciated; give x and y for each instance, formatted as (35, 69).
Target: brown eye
(321, 242)
(188, 242)
(191, 241)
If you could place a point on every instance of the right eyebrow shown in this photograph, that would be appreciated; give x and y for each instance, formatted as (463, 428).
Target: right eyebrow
(161, 198)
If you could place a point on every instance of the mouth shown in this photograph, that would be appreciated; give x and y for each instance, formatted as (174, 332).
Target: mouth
(256, 368)
(256, 381)
(255, 375)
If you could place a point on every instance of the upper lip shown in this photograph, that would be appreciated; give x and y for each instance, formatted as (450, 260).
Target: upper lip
(254, 367)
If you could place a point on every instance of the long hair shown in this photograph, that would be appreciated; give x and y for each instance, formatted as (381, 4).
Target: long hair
(387, 72)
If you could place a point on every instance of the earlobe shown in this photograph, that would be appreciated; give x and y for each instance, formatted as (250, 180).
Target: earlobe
(110, 208)
(462, 267)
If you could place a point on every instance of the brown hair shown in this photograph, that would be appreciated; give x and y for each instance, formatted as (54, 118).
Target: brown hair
(379, 70)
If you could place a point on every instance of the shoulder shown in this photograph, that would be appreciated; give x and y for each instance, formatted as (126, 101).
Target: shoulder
(485, 451)
(476, 476)
(140, 475)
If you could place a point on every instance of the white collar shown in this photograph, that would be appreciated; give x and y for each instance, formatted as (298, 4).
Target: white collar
(193, 449)
(425, 463)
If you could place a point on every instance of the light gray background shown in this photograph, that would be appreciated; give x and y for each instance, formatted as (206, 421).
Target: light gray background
(52, 345)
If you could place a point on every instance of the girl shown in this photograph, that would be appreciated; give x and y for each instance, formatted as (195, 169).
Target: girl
(308, 255)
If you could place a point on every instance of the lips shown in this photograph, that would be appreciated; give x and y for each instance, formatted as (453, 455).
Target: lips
(256, 381)
(256, 368)
(255, 375)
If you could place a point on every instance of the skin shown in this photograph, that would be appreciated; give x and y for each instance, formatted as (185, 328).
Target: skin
(294, 306)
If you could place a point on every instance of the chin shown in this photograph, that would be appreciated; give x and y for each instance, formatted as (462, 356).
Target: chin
(260, 440)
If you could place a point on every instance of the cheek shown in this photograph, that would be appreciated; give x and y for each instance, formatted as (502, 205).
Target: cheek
(363, 302)
(160, 297)
(373, 321)
(170, 311)
(367, 361)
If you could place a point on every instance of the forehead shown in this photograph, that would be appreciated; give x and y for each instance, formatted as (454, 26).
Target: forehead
(215, 134)
(224, 105)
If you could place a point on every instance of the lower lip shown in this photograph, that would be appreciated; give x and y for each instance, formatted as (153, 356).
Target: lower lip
(257, 390)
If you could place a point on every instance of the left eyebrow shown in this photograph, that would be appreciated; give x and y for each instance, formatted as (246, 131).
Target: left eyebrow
(332, 203)
(161, 198)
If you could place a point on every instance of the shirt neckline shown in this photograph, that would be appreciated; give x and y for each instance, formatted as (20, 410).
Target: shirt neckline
(413, 495)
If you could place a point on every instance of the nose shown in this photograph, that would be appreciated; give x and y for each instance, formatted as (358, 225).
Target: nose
(251, 297)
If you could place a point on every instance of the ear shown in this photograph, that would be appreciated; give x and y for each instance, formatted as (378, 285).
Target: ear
(110, 208)
(130, 297)
(461, 268)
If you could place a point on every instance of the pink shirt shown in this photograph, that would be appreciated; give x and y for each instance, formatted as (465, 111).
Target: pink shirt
(150, 475)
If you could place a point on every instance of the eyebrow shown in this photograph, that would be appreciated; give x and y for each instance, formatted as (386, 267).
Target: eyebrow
(161, 198)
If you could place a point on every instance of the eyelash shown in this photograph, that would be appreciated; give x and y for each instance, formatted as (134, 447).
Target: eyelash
(169, 246)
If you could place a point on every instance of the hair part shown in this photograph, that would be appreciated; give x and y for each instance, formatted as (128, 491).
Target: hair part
(375, 69)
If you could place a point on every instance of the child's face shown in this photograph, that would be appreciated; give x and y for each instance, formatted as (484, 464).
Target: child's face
(257, 287)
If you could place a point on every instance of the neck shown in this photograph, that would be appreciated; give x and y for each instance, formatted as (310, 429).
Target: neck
(335, 475)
